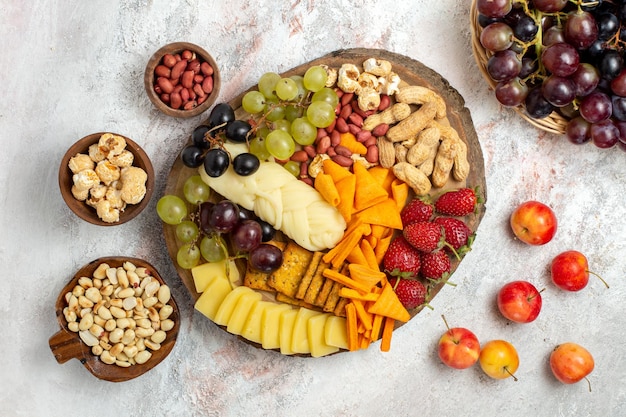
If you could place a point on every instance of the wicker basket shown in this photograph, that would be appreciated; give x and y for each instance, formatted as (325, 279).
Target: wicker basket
(554, 123)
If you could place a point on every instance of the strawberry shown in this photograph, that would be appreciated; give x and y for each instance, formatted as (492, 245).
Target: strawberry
(401, 259)
(458, 235)
(424, 236)
(435, 265)
(410, 292)
(459, 203)
(417, 210)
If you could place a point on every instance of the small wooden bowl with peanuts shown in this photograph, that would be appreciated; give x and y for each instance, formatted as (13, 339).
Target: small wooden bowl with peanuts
(117, 317)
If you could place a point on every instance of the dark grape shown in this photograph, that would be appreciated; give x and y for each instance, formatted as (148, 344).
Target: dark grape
(192, 156)
(559, 91)
(554, 34)
(560, 59)
(216, 162)
(604, 134)
(246, 236)
(237, 131)
(224, 216)
(586, 78)
(511, 93)
(580, 29)
(197, 137)
(204, 215)
(496, 37)
(595, 107)
(245, 214)
(536, 105)
(268, 231)
(266, 258)
(525, 29)
(494, 8)
(550, 6)
(608, 25)
(619, 108)
(618, 84)
(611, 64)
(221, 114)
(577, 131)
(504, 65)
(246, 164)
(529, 65)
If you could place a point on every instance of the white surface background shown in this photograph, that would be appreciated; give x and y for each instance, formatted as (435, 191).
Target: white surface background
(73, 68)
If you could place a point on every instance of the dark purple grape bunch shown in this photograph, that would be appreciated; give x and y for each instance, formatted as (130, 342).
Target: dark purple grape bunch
(248, 235)
(207, 144)
(560, 56)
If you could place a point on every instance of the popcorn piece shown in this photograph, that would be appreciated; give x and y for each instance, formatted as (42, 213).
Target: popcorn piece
(106, 212)
(85, 179)
(367, 81)
(378, 67)
(331, 74)
(390, 84)
(79, 194)
(114, 197)
(79, 162)
(95, 154)
(111, 145)
(369, 99)
(133, 181)
(123, 159)
(347, 78)
(107, 172)
(98, 191)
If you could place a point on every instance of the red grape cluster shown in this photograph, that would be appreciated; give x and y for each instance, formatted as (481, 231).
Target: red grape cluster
(564, 56)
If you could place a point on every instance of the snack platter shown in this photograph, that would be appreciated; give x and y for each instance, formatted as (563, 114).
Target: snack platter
(411, 73)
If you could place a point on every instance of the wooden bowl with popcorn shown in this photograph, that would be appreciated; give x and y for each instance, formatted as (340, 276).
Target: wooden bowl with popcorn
(106, 179)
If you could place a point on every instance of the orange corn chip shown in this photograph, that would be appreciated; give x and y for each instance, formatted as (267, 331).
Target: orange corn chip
(383, 213)
(351, 327)
(368, 253)
(325, 185)
(340, 252)
(381, 247)
(383, 176)
(336, 171)
(389, 305)
(346, 187)
(385, 343)
(356, 295)
(356, 256)
(346, 280)
(366, 276)
(399, 192)
(349, 141)
(368, 192)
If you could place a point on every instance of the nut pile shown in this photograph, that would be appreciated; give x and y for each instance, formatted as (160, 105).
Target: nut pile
(121, 313)
(106, 179)
(183, 80)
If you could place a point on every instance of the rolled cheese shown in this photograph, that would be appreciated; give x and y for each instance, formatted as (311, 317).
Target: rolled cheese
(279, 198)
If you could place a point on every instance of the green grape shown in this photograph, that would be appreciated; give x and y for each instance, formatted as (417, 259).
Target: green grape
(262, 132)
(187, 231)
(293, 112)
(302, 91)
(286, 89)
(195, 190)
(258, 148)
(253, 102)
(267, 83)
(320, 114)
(326, 94)
(171, 209)
(274, 111)
(303, 131)
(212, 248)
(280, 144)
(188, 256)
(282, 124)
(315, 78)
(293, 167)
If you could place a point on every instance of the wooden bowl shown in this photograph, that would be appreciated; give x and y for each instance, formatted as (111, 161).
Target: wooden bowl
(553, 123)
(80, 208)
(66, 345)
(150, 79)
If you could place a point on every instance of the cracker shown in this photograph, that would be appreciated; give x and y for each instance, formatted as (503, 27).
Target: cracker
(286, 279)
(282, 298)
(308, 275)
